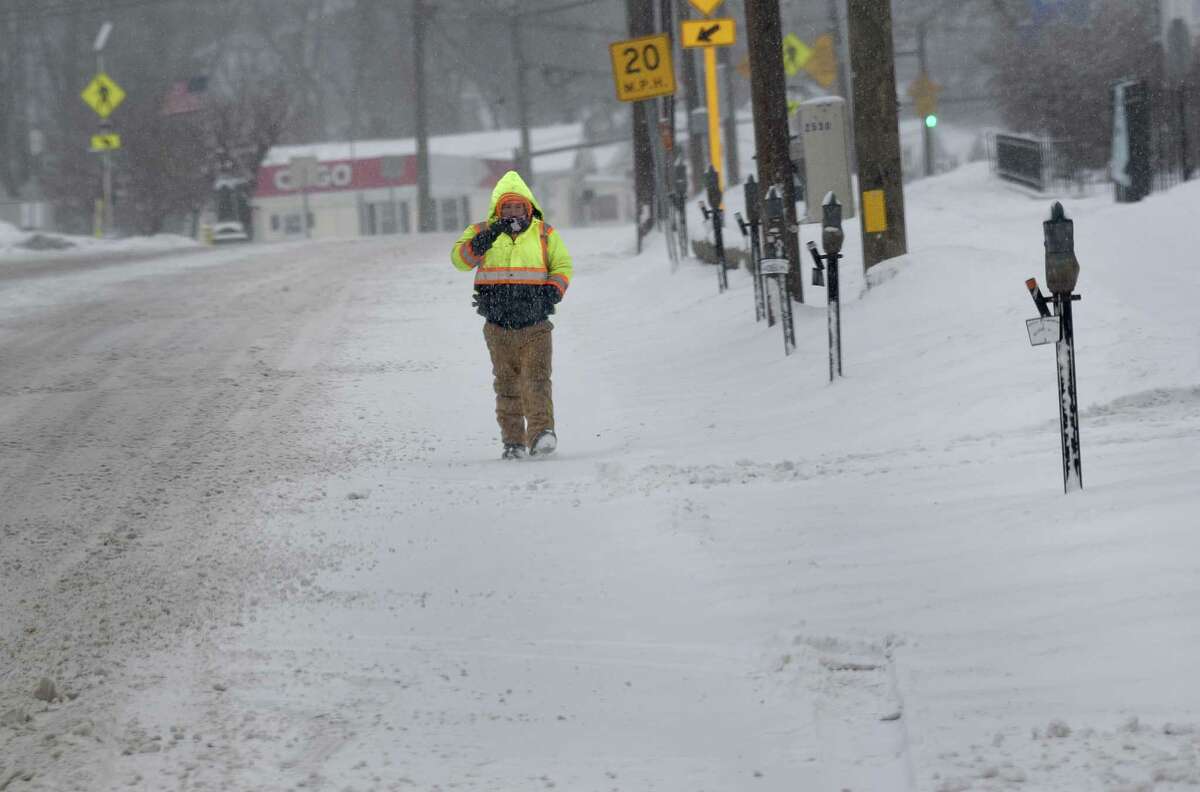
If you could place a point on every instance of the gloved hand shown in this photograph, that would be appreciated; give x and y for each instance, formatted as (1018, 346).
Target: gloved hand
(514, 225)
(482, 242)
(551, 294)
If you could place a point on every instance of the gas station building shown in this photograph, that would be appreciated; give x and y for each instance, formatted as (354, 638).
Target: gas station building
(369, 188)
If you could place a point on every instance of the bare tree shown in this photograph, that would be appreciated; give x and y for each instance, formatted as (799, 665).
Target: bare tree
(1054, 79)
(299, 71)
(246, 122)
(168, 169)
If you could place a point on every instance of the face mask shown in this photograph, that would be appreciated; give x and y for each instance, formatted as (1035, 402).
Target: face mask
(515, 225)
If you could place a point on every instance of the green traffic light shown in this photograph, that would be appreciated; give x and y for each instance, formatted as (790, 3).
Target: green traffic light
(931, 120)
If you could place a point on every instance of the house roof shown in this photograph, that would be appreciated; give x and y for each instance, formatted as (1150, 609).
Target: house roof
(488, 144)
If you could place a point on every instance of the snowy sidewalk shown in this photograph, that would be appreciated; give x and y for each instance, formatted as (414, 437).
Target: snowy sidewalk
(487, 625)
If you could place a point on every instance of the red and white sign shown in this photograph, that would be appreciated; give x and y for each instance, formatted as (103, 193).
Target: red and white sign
(339, 175)
(362, 174)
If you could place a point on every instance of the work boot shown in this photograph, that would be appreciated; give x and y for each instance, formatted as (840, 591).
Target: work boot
(513, 451)
(544, 443)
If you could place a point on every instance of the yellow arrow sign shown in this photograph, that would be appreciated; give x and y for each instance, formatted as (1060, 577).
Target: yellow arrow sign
(822, 66)
(796, 54)
(708, 33)
(106, 142)
(642, 68)
(706, 7)
(103, 95)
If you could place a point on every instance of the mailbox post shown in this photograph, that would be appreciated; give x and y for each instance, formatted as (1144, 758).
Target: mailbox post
(1062, 274)
(748, 232)
(775, 264)
(680, 195)
(751, 228)
(832, 237)
(713, 183)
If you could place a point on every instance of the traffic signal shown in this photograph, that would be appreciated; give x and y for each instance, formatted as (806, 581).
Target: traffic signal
(924, 93)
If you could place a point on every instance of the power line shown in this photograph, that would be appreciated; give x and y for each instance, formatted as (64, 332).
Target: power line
(62, 9)
(71, 9)
(564, 7)
(551, 9)
(599, 31)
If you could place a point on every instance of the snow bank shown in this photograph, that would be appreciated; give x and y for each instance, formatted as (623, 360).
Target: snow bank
(18, 244)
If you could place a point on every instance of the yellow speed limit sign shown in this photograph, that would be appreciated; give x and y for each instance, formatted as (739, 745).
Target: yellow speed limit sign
(642, 68)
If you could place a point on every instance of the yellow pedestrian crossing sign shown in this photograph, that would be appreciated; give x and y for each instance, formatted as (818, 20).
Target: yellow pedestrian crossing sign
(103, 95)
(822, 66)
(106, 142)
(796, 54)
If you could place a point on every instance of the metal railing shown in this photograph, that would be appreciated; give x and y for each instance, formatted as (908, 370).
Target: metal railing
(1170, 151)
(1021, 160)
(1041, 164)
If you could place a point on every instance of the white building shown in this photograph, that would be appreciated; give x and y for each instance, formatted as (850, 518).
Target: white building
(369, 187)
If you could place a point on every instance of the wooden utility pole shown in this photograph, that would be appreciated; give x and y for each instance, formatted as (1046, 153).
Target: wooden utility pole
(697, 159)
(768, 94)
(732, 173)
(666, 124)
(524, 163)
(640, 18)
(835, 28)
(843, 82)
(667, 23)
(425, 209)
(877, 131)
(923, 68)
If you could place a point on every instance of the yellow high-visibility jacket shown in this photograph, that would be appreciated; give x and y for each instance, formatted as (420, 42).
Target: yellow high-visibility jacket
(510, 277)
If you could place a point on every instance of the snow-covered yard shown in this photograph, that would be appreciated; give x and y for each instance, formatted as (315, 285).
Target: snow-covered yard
(256, 531)
(34, 245)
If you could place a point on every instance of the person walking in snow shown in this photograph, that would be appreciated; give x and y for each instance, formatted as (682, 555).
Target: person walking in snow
(522, 270)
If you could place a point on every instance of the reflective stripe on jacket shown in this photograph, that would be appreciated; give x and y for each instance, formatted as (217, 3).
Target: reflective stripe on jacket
(537, 256)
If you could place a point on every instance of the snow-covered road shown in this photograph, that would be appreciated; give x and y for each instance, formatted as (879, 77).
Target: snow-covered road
(256, 531)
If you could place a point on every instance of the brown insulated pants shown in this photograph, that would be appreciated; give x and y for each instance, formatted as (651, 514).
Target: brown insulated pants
(521, 367)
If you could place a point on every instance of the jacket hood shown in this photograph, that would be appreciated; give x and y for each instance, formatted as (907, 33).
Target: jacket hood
(512, 182)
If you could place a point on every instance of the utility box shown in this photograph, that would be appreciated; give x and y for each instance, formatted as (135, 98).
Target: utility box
(826, 160)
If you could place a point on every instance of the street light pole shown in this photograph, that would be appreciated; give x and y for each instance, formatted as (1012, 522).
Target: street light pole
(926, 130)
(106, 213)
(425, 207)
(524, 162)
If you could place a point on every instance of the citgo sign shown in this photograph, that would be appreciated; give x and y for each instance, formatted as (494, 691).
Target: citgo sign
(339, 174)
